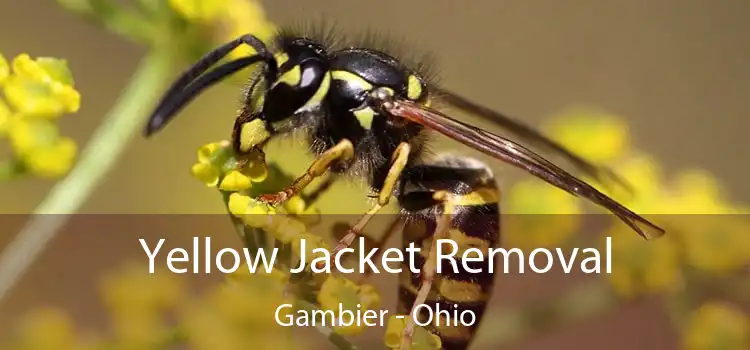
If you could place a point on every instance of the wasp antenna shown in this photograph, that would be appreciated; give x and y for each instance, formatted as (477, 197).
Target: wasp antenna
(169, 108)
(191, 83)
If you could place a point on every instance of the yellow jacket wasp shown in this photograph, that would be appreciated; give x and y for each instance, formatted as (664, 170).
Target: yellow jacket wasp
(366, 114)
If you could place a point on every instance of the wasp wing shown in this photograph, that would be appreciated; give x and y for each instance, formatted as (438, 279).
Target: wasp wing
(519, 156)
(526, 133)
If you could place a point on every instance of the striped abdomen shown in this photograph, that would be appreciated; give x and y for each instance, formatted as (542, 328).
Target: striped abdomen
(475, 224)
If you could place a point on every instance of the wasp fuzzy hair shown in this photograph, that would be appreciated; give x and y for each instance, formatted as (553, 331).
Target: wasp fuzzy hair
(332, 38)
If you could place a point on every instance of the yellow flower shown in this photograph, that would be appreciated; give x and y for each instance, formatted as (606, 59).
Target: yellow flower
(644, 175)
(47, 329)
(713, 238)
(27, 135)
(697, 192)
(716, 325)
(422, 339)
(253, 213)
(36, 98)
(37, 92)
(235, 181)
(303, 215)
(537, 197)
(6, 116)
(238, 204)
(243, 275)
(287, 229)
(237, 314)
(540, 215)
(4, 69)
(215, 161)
(693, 211)
(41, 148)
(199, 10)
(254, 301)
(244, 17)
(312, 242)
(596, 136)
(255, 167)
(44, 69)
(234, 18)
(133, 288)
(212, 157)
(139, 329)
(339, 292)
(206, 173)
(643, 267)
(137, 301)
(295, 205)
(716, 243)
(207, 152)
(54, 161)
(648, 197)
(41, 88)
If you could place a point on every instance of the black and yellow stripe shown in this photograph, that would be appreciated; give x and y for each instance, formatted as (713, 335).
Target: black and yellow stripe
(476, 223)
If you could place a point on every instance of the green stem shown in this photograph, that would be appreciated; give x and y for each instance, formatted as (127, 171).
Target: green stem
(122, 123)
(116, 17)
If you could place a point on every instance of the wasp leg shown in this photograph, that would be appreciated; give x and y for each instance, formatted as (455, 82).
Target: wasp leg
(400, 158)
(379, 244)
(314, 195)
(342, 151)
(430, 266)
(193, 81)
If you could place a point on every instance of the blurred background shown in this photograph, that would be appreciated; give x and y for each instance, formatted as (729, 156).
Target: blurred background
(674, 71)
